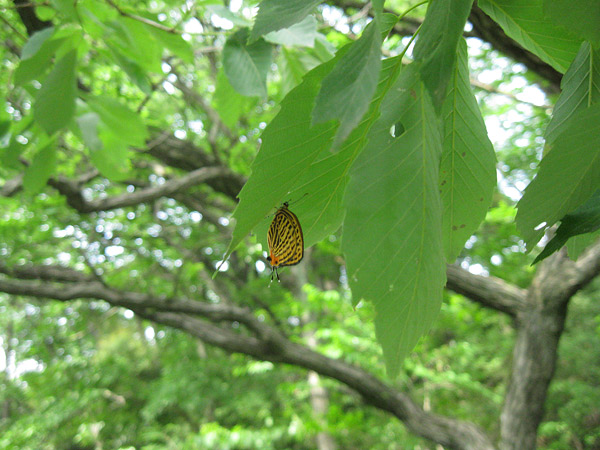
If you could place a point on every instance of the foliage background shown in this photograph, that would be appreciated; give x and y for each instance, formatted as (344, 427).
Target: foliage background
(112, 103)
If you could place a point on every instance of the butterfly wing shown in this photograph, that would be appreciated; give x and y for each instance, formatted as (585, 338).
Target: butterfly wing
(285, 238)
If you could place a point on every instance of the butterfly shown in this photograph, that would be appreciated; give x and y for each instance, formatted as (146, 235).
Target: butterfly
(285, 239)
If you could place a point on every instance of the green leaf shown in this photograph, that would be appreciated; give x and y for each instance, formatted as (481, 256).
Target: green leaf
(580, 89)
(55, 102)
(175, 43)
(325, 181)
(112, 158)
(436, 46)
(301, 34)
(88, 125)
(37, 63)
(570, 172)
(468, 168)
(578, 244)
(525, 22)
(291, 68)
(387, 23)
(347, 91)
(66, 8)
(274, 15)
(289, 145)
(246, 66)
(9, 156)
(41, 169)
(585, 219)
(133, 40)
(35, 42)
(229, 104)
(120, 120)
(582, 19)
(137, 74)
(392, 236)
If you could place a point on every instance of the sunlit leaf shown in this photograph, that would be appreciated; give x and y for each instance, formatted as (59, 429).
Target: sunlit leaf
(55, 102)
(41, 169)
(274, 15)
(301, 34)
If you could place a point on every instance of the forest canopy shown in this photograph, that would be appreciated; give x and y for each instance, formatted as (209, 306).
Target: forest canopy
(441, 157)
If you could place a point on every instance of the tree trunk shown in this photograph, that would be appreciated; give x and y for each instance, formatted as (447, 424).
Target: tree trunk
(539, 328)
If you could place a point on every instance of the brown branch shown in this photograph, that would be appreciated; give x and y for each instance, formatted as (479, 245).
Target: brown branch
(168, 188)
(491, 292)
(539, 329)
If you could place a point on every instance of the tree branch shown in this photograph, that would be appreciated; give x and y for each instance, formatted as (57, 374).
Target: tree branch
(168, 188)
(491, 292)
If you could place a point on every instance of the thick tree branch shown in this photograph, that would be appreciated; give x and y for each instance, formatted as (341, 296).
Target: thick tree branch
(491, 292)
(168, 188)
(539, 329)
(266, 344)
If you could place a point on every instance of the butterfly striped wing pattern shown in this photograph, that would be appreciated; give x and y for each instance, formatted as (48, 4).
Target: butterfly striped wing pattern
(285, 239)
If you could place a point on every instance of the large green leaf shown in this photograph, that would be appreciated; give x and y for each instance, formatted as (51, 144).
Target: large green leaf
(35, 42)
(392, 235)
(582, 19)
(274, 15)
(55, 102)
(37, 63)
(120, 120)
(321, 212)
(289, 145)
(246, 66)
(41, 168)
(436, 46)
(347, 91)
(468, 168)
(301, 34)
(525, 22)
(580, 89)
(585, 219)
(569, 174)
